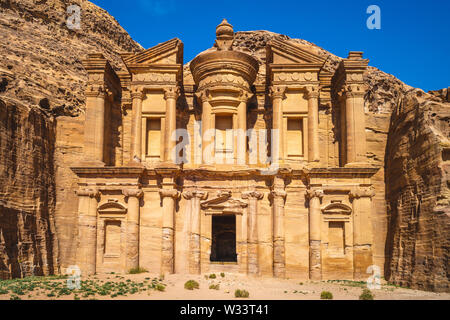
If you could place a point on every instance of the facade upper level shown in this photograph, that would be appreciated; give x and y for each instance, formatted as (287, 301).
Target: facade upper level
(227, 109)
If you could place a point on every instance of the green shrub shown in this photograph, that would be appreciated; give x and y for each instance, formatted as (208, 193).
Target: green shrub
(241, 293)
(212, 276)
(326, 295)
(366, 295)
(222, 275)
(137, 270)
(214, 287)
(160, 287)
(191, 285)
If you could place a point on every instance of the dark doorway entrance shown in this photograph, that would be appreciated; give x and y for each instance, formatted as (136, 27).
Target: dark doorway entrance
(223, 239)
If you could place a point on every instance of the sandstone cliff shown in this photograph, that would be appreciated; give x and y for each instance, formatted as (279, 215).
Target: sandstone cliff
(418, 193)
(41, 77)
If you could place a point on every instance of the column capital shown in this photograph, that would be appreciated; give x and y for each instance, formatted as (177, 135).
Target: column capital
(278, 194)
(137, 193)
(169, 193)
(244, 95)
(95, 91)
(171, 93)
(88, 192)
(252, 195)
(361, 192)
(313, 193)
(353, 91)
(137, 93)
(203, 95)
(202, 195)
(312, 92)
(278, 92)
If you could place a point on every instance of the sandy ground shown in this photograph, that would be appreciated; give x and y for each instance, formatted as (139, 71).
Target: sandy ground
(259, 288)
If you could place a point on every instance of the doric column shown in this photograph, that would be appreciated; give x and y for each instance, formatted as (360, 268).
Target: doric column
(195, 232)
(313, 123)
(315, 257)
(133, 218)
(279, 197)
(136, 125)
(252, 233)
(87, 230)
(170, 95)
(94, 126)
(278, 94)
(361, 198)
(169, 196)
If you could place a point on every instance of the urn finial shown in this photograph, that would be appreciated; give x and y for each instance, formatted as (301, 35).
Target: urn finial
(224, 35)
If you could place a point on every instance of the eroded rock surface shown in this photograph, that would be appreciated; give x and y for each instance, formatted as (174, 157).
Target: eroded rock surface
(41, 77)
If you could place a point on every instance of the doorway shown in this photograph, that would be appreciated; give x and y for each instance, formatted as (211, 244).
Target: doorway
(223, 247)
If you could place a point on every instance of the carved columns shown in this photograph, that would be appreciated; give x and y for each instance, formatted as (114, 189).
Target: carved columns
(170, 95)
(207, 135)
(361, 198)
(315, 259)
(313, 123)
(195, 232)
(252, 233)
(87, 230)
(133, 218)
(168, 196)
(279, 197)
(240, 148)
(94, 125)
(349, 85)
(136, 125)
(277, 94)
(355, 124)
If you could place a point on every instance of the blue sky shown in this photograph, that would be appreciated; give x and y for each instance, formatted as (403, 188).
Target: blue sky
(413, 43)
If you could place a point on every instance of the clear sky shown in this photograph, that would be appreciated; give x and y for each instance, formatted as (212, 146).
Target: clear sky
(413, 43)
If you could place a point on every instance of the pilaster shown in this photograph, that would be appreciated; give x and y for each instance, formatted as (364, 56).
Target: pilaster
(252, 233)
(133, 221)
(315, 251)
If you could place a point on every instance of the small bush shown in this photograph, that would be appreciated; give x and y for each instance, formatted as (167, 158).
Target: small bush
(137, 270)
(160, 287)
(191, 285)
(326, 295)
(366, 295)
(214, 287)
(222, 275)
(212, 276)
(241, 293)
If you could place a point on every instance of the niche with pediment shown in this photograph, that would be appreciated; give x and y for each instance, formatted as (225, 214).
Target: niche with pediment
(223, 204)
(337, 230)
(112, 208)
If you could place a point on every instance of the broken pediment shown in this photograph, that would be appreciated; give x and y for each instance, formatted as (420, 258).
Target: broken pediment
(284, 52)
(223, 204)
(166, 53)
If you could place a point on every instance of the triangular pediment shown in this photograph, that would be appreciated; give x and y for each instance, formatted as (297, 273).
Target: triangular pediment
(169, 52)
(284, 52)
